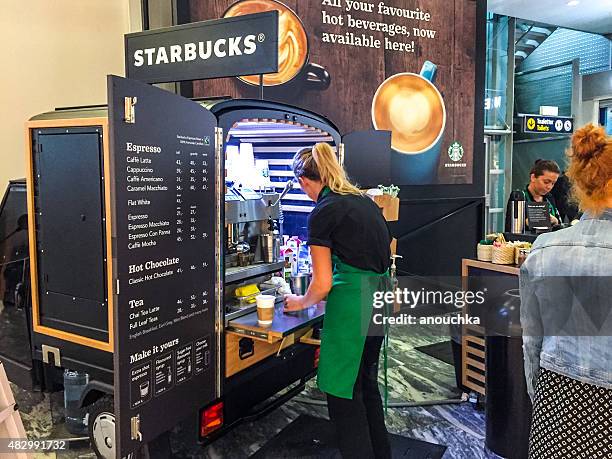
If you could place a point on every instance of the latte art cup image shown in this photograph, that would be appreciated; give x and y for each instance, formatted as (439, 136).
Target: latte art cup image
(293, 48)
(411, 107)
(292, 40)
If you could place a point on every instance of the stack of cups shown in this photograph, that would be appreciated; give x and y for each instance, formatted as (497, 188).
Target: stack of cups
(265, 309)
(268, 248)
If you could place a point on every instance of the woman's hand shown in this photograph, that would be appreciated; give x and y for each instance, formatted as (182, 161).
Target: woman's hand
(321, 281)
(553, 220)
(294, 303)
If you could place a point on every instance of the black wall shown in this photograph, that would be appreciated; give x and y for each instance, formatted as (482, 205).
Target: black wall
(434, 235)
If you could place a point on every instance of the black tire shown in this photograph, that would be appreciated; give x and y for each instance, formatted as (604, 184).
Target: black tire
(101, 419)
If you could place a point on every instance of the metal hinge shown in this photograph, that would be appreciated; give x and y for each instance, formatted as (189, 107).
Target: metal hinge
(135, 428)
(130, 109)
(117, 286)
(218, 140)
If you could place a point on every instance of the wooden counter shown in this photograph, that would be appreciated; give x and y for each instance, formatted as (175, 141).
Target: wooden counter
(467, 263)
(247, 342)
(473, 349)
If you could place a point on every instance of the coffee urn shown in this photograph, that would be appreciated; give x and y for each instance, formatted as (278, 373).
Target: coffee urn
(517, 212)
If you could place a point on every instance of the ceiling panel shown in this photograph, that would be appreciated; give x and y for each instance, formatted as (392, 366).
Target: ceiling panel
(593, 16)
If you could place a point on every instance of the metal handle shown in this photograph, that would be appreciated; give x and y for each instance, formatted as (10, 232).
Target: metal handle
(288, 187)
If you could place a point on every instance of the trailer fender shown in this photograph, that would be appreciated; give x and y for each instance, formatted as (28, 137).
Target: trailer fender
(95, 390)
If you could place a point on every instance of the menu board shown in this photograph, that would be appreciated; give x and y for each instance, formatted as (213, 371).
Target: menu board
(538, 215)
(164, 223)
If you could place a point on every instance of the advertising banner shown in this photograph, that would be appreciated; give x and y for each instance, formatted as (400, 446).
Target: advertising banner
(405, 66)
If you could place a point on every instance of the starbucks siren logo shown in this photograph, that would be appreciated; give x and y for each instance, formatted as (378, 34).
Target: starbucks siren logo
(455, 151)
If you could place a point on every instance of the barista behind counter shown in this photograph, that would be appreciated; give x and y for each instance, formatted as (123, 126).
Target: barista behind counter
(543, 176)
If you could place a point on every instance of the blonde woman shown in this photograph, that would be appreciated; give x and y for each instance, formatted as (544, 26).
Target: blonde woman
(566, 314)
(349, 242)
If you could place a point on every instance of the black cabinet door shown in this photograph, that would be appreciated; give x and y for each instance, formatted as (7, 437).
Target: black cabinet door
(71, 247)
(367, 157)
(164, 220)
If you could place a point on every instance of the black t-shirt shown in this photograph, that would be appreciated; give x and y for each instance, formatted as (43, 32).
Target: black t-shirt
(354, 228)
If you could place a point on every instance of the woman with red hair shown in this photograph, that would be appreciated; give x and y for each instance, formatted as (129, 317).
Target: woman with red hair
(566, 315)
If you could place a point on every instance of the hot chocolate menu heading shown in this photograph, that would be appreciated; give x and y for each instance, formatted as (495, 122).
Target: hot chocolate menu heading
(338, 53)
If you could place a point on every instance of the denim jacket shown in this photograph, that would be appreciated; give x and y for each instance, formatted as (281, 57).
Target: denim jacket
(566, 299)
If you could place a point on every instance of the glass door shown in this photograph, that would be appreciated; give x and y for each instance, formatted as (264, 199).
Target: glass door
(499, 96)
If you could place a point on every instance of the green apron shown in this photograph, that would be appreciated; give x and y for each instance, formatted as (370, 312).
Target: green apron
(345, 326)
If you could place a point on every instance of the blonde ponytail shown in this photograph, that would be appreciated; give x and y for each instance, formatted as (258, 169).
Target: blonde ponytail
(320, 163)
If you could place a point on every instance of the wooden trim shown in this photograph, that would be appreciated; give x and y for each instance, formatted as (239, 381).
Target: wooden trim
(31, 223)
(261, 350)
(476, 352)
(109, 214)
(467, 359)
(464, 269)
(476, 376)
(475, 364)
(286, 342)
(475, 387)
(38, 328)
(475, 339)
(308, 339)
(244, 335)
(468, 340)
(70, 122)
(466, 263)
(273, 336)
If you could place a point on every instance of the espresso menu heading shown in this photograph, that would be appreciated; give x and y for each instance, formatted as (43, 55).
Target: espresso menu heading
(208, 49)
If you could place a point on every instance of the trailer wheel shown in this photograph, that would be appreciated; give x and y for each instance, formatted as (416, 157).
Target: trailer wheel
(101, 427)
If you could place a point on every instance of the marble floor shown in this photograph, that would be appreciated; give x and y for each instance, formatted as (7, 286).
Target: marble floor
(413, 377)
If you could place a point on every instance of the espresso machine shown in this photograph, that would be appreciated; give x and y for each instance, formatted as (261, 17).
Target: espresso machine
(252, 243)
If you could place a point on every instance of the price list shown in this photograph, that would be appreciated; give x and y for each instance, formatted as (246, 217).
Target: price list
(164, 219)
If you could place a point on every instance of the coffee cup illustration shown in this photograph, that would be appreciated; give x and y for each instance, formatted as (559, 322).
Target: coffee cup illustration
(295, 72)
(144, 389)
(411, 107)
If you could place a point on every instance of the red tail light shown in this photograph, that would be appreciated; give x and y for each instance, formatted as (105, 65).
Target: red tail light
(211, 419)
(316, 357)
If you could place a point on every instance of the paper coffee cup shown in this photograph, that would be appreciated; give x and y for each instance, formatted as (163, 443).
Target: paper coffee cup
(265, 308)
